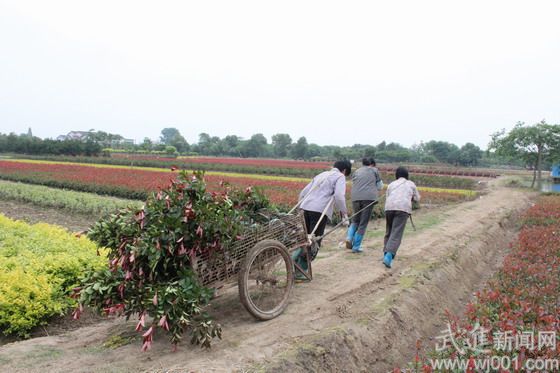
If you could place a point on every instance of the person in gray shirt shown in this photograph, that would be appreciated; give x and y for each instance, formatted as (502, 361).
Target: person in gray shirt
(366, 184)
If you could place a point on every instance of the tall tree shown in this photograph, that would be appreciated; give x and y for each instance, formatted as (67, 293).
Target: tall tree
(469, 154)
(147, 144)
(216, 146)
(313, 150)
(204, 143)
(533, 144)
(256, 146)
(172, 137)
(103, 137)
(299, 149)
(443, 151)
(368, 151)
(281, 143)
(231, 145)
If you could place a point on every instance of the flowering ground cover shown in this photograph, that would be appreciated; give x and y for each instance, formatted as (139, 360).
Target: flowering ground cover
(515, 320)
(137, 182)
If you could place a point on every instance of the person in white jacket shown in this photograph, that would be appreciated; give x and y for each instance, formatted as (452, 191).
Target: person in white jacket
(398, 208)
(325, 190)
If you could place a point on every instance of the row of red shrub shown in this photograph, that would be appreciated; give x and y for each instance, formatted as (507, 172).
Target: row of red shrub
(136, 183)
(521, 303)
(306, 165)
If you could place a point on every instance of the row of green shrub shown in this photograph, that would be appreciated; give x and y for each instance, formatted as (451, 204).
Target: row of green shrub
(39, 266)
(71, 201)
(437, 181)
(108, 151)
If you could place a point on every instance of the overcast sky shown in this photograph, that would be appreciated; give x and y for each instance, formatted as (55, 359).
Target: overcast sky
(338, 73)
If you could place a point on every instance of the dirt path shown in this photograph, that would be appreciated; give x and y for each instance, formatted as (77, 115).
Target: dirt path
(348, 291)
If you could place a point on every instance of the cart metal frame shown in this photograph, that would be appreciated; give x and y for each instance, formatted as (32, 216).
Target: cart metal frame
(260, 263)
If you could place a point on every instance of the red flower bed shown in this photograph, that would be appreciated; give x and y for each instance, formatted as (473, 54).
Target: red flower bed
(254, 162)
(136, 183)
(293, 164)
(135, 179)
(117, 181)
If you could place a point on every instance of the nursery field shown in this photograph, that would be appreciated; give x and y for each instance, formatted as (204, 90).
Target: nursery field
(280, 167)
(138, 182)
(321, 314)
(463, 228)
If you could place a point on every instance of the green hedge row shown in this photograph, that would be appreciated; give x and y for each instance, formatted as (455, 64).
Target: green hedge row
(71, 201)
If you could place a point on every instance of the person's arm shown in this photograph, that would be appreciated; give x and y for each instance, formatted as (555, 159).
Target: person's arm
(378, 181)
(305, 190)
(340, 195)
(416, 194)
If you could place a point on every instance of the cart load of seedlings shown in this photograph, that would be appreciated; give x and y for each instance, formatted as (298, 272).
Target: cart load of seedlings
(166, 259)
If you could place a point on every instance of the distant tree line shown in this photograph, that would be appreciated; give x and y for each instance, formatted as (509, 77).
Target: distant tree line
(282, 145)
(28, 144)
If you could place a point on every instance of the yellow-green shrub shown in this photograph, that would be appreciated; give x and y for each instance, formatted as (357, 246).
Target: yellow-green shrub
(39, 265)
(25, 299)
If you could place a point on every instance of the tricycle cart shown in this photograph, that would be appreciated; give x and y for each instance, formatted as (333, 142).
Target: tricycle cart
(260, 262)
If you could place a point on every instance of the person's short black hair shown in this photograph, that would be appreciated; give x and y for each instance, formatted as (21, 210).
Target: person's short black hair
(344, 166)
(401, 172)
(368, 161)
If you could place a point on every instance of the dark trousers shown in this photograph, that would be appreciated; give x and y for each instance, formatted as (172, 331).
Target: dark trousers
(311, 219)
(361, 219)
(396, 222)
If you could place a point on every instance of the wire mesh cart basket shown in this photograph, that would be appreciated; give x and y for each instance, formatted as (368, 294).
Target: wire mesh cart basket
(261, 264)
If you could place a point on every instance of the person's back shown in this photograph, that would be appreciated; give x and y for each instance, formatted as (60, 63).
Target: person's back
(317, 194)
(364, 184)
(400, 194)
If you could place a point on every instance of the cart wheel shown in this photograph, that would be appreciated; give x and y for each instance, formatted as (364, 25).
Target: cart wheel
(266, 279)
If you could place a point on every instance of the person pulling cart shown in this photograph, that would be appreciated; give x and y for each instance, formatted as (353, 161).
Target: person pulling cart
(317, 199)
